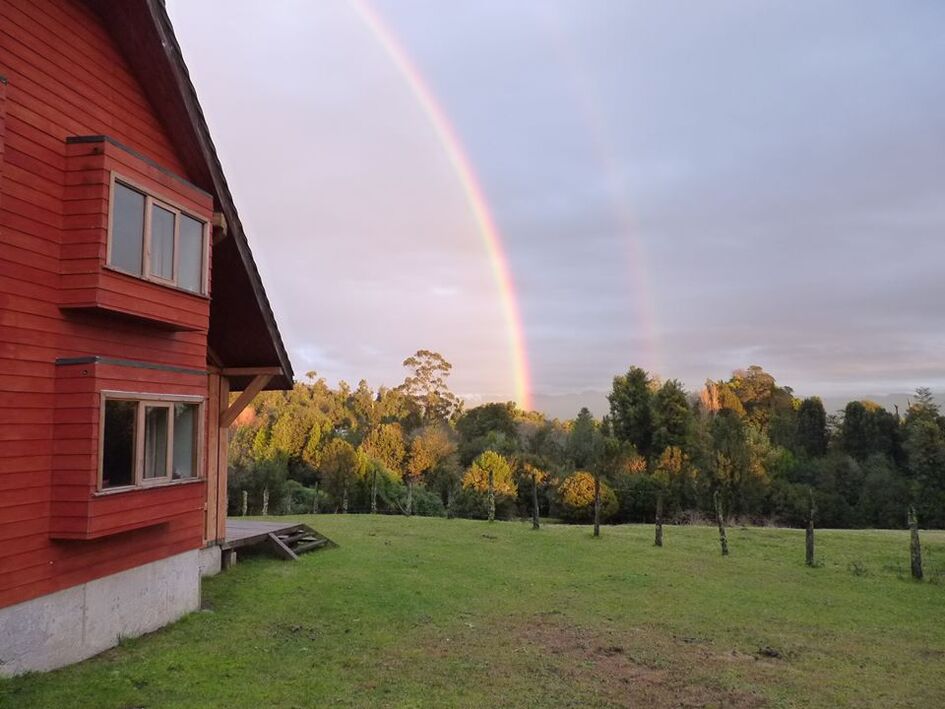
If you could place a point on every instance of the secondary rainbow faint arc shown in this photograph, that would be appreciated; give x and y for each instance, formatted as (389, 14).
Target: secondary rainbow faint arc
(475, 198)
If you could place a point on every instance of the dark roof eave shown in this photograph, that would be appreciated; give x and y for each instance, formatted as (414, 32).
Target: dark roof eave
(172, 51)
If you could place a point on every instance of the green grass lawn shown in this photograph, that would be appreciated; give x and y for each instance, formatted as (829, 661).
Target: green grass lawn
(435, 612)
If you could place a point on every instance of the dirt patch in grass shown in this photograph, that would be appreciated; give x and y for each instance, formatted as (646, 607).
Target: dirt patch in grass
(546, 659)
(628, 669)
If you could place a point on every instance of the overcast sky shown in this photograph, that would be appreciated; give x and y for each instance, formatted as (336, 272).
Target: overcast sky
(688, 186)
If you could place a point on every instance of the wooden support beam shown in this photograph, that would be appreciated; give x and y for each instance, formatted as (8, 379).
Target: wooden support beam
(242, 401)
(250, 371)
(220, 228)
(213, 358)
(281, 548)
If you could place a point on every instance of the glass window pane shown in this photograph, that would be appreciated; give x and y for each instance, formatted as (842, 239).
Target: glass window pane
(185, 441)
(155, 441)
(162, 242)
(127, 229)
(118, 454)
(190, 266)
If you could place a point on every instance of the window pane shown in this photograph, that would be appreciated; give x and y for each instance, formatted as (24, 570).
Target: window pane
(127, 229)
(162, 242)
(155, 441)
(185, 441)
(190, 266)
(118, 455)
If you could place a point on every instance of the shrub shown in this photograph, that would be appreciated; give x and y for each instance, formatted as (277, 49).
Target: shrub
(473, 504)
(576, 498)
(426, 503)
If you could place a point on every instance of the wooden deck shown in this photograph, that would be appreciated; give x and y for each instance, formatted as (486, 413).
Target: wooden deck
(245, 532)
(286, 539)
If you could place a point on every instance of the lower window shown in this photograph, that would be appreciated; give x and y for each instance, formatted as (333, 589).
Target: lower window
(148, 441)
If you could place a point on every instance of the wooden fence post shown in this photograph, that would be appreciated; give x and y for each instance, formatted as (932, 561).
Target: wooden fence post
(723, 538)
(374, 492)
(658, 541)
(491, 497)
(810, 533)
(915, 549)
(596, 505)
(536, 524)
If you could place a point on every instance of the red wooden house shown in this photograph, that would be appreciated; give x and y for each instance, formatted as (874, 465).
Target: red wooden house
(130, 308)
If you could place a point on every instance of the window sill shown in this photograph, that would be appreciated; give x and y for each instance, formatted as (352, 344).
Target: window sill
(156, 282)
(150, 486)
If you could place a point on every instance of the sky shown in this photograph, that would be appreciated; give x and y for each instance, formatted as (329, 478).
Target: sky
(691, 187)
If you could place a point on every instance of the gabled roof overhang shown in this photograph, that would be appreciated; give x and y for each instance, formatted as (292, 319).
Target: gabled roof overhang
(243, 331)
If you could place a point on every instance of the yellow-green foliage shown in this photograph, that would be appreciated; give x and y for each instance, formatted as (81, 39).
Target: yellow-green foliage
(576, 494)
(477, 476)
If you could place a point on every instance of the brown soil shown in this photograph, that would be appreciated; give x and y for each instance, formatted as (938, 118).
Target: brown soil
(617, 669)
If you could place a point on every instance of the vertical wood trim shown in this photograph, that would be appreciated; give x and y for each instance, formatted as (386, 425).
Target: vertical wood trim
(223, 443)
(212, 458)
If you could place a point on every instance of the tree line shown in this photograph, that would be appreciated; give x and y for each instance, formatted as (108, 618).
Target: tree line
(660, 454)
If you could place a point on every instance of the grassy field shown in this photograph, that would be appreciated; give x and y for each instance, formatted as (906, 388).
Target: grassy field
(411, 612)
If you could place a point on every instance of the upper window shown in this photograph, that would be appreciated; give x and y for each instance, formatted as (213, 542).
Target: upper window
(155, 240)
(148, 441)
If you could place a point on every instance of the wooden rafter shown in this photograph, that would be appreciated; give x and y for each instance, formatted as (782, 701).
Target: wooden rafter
(250, 371)
(242, 401)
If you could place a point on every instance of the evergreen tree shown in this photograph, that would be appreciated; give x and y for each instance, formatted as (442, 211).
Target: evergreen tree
(631, 417)
(811, 433)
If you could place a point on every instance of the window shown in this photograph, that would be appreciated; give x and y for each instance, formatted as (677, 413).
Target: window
(148, 441)
(153, 239)
(185, 437)
(162, 243)
(127, 229)
(118, 448)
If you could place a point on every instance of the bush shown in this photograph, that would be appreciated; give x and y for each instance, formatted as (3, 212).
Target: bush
(472, 504)
(637, 495)
(576, 498)
(425, 502)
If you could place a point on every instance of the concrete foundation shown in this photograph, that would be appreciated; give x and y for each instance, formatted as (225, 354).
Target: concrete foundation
(210, 561)
(76, 623)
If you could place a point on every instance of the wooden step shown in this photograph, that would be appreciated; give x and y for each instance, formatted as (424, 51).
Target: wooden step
(308, 546)
(293, 537)
(281, 549)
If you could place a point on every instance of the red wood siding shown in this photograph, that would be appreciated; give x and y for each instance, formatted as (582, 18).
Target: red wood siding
(85, 283)
(66, 78)
(3, 125)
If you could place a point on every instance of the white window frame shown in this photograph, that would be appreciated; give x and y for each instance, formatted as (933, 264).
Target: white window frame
(142, 400)
(150, 200)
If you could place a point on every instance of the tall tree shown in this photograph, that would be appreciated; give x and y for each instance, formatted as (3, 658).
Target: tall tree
(811, 435)
(585, 443)
(491, 474)
(426, 386)
(760, 395)
(868, 428)
(341, 465)
(672, 417)
(384, 447)
(631, 417)
(432, 450)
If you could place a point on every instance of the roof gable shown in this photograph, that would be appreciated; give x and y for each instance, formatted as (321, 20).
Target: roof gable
(243, 330)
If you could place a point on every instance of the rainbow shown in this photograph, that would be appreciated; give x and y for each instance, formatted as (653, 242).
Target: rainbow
(587, 105)
(459, 160)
